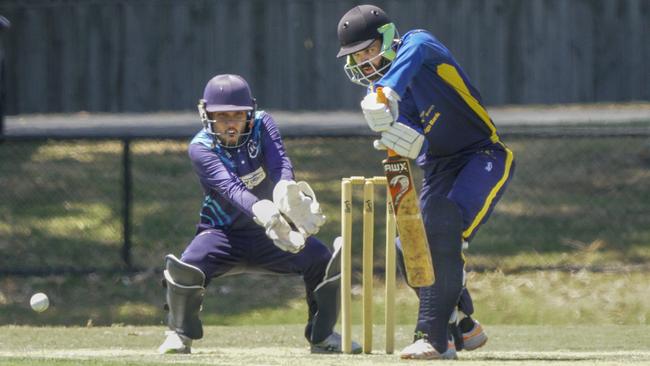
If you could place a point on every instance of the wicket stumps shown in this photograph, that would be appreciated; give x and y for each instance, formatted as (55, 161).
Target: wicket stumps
(346, 262)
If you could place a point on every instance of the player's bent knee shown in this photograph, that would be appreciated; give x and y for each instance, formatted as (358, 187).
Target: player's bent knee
(319, 250)
(183, 273)
(320, 256)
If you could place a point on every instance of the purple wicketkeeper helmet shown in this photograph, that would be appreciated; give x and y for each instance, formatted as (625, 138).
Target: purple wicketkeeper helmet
(227, 93)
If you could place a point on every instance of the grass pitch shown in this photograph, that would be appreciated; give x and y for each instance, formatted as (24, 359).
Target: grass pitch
(283, 345)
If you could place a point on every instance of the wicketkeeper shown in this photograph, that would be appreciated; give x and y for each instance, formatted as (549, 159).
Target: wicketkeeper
(254, 216)
(434, 114)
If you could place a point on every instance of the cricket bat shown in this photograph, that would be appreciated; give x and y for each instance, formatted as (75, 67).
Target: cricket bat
(415, 246)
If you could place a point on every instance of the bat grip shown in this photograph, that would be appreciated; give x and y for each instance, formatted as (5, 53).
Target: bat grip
(381, 98)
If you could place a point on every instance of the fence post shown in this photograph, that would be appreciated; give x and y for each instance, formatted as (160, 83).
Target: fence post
(127, 197)
(4, 24)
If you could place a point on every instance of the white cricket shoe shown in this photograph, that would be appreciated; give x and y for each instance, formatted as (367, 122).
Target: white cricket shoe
(333, 344)
(423, 350)
(475, 338)
(175, 343)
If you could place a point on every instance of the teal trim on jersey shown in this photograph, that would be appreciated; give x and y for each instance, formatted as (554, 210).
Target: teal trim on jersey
(209, 219)
(202, 138)
(217, 211)
(216, 215)
(217, 206)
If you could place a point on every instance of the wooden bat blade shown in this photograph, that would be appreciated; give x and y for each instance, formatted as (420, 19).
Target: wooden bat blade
(415, 246)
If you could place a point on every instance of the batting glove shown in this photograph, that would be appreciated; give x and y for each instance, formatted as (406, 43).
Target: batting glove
(380, 116)
(402, 139)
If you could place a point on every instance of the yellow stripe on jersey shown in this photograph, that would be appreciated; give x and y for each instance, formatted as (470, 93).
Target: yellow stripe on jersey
(449, 74)
(488, 201)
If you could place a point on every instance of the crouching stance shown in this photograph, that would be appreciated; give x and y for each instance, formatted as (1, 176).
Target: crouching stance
(255, 217)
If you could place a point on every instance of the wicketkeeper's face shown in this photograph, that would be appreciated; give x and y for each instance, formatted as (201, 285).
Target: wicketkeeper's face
(228, 126)
(369, 54)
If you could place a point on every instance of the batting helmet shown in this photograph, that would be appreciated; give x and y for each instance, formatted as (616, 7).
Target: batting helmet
(357, 29)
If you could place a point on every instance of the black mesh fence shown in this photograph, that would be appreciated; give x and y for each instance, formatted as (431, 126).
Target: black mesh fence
(579, 197)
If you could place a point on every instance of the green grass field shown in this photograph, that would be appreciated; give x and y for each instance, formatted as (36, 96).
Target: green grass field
(568, 244)
(542, 297)
(284, 345)
(580, 202)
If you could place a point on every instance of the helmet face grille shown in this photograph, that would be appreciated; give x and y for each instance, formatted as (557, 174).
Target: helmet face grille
(356, 75)
(390, 41)
(220, 138)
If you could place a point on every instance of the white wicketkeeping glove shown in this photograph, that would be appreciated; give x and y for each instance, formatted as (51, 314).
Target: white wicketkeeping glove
(298, 202)
(380, 116)
(277, 228)
(402, 139)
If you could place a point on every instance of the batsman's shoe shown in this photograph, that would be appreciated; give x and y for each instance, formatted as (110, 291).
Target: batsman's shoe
(421, 349)
(475, 337)
(175, 343)
(333, 344)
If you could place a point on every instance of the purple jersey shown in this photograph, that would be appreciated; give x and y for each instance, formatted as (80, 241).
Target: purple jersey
(233, 179)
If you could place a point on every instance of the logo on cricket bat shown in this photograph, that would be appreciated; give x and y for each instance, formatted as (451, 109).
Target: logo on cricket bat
(401, 184)
(396, 167)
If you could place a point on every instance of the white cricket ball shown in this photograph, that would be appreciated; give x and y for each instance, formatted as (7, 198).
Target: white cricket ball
(39, 302)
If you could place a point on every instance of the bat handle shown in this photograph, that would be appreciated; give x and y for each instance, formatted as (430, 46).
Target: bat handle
(381, 98)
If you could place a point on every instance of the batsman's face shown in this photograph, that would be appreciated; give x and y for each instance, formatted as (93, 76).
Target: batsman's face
(369, 55)
(228, 126)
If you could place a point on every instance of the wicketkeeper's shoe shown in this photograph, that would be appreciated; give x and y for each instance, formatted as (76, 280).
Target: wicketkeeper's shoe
(175, 343)
(473, 335)
(333, 344)
(421, 349)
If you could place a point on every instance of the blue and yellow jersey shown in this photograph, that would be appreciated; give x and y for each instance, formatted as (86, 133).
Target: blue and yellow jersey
(437, 98)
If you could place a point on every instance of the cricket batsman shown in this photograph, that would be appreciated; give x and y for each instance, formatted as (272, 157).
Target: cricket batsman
(433, 114)
(254, 217)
